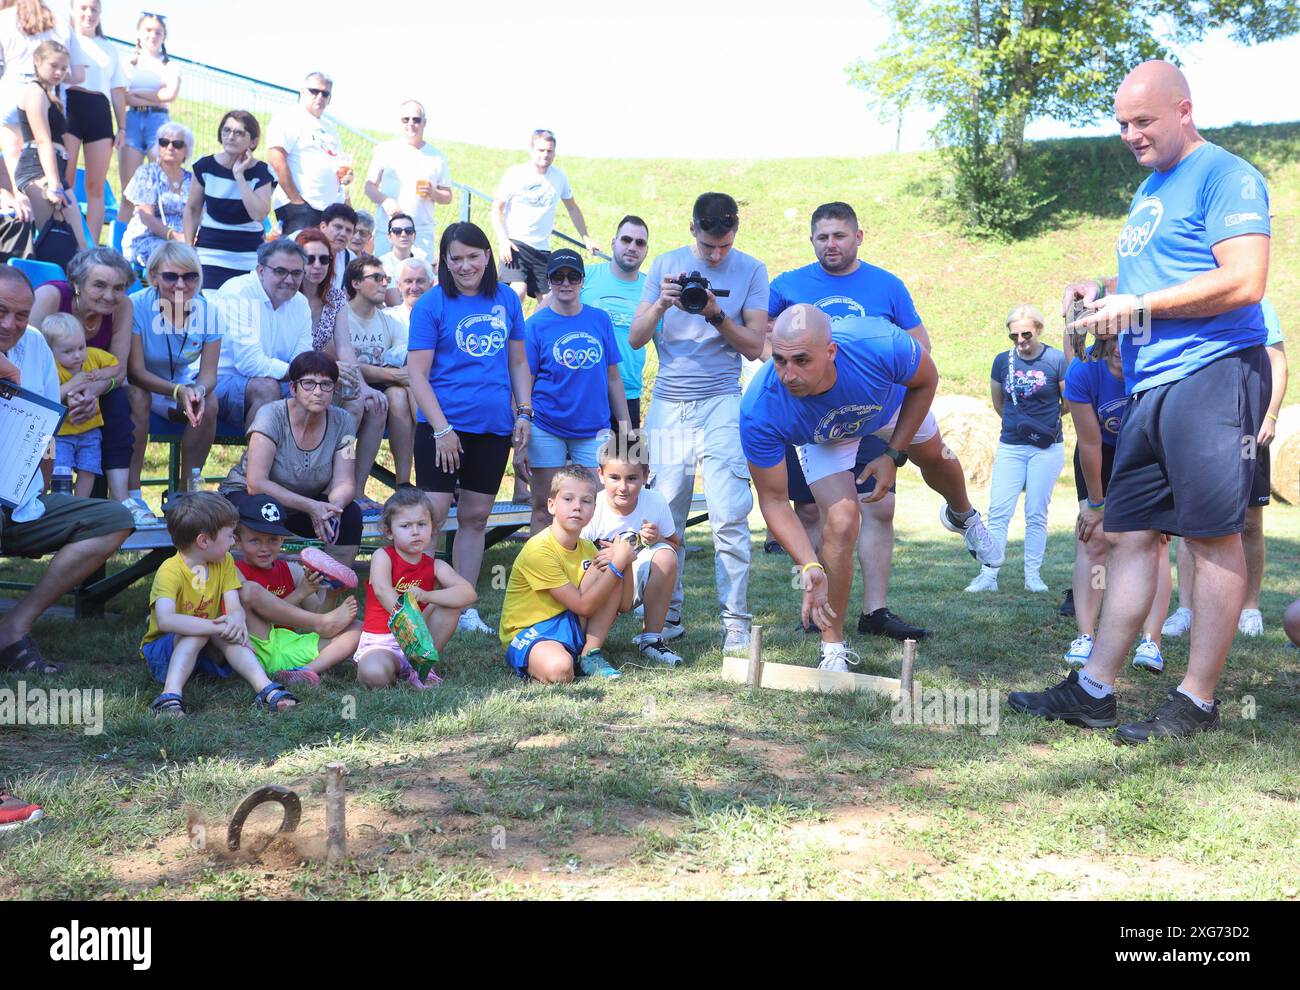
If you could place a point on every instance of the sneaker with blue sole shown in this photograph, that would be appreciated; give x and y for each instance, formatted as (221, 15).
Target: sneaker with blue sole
(1076, 657)
(594, 664)
(1147, 657)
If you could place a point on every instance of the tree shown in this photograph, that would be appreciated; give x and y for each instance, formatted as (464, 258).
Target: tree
(993, 65)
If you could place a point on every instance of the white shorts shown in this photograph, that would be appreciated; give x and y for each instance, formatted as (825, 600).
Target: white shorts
(821, 460)
(641, 569)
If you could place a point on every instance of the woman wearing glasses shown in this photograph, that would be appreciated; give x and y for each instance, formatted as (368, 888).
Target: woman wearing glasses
(1028, 383)
(300, 452)
(158, 192)
(408, 176)
(153, 81)
(175, 347)
(228, 202)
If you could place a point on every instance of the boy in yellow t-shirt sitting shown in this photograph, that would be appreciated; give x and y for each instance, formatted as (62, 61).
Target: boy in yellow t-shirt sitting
(78, 445)
(196, 620)
(558, 607)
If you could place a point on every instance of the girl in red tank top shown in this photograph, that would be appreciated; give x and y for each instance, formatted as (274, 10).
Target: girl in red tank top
(406, 576)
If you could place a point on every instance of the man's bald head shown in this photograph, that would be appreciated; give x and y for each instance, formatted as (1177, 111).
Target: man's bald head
(1159, 79)
(802, 324)
(1153, 107)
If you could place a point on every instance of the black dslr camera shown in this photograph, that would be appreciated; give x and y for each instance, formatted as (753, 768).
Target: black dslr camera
(695, 292)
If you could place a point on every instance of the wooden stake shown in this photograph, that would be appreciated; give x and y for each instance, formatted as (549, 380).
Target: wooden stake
(756, 658)
(909, 663)
(336, 827)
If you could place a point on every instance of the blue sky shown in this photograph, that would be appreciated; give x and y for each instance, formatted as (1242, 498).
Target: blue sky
(725, 79)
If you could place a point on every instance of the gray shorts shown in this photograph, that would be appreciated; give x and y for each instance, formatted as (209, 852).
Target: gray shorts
(67, 519)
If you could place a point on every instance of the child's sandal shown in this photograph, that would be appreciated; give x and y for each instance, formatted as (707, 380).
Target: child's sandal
(168, 704)
(269, 698)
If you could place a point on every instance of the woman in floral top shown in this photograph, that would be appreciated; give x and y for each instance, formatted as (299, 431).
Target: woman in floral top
(159, 190)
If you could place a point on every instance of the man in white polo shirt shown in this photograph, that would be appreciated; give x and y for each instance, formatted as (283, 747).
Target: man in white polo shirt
(409, 176)
(305, 152)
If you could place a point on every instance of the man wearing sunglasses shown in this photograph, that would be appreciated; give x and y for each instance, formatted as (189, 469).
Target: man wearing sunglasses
(306, 154)
(695, 415)
(523, 216)
(616, 288)
(409, 176)
(269, 324)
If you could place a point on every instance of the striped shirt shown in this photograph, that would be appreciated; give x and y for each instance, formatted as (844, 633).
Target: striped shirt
(228, 236)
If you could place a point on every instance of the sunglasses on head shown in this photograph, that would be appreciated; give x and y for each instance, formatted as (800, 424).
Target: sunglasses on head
(402, 231)
(566, 275)
(176, 143)
(156, 17)
(718, 225)
(171, 278)
(412, 120)
(1026, 335)
(320, 92)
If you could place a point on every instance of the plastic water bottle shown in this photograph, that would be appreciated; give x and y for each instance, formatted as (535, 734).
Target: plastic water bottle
(61, 484)
(195, 482)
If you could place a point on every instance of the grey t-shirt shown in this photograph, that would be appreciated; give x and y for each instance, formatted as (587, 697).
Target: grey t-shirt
(695, 362)
(1038, 392)
(304, 472)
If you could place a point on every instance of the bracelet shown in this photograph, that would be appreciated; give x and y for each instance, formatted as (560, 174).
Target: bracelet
(815, 563)
(1101, 287)
(439, 434)
(617, 573)
(1269, 415)
(176, 391)
(112, 384)
(524, 415)
(1095, 505)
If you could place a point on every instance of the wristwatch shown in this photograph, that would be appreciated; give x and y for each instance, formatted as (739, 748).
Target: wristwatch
(899, 457)
(1140, 312)
(716, 321)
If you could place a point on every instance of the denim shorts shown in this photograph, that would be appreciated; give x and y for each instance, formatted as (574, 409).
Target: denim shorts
(158, 657)
(546, 450)
(83, 451)
(142, 126)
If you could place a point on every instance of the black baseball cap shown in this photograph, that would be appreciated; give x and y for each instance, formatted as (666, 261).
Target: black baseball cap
(565, 258)
(263, 514)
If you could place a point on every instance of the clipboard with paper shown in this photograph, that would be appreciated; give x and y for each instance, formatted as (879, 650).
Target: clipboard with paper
(28, 424)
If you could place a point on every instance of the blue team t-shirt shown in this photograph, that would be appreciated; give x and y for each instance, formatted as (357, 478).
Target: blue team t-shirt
(874, 362)
(569, 357)
(1092, 382)
(1176, 219)
(868, 291)
(619, 299)
(1037, 385)
(469, 338)
(1271, 323)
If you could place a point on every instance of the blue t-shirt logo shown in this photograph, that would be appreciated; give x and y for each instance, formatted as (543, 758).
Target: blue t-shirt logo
(840, 307)
(1141, 227)
(844, 422)
(481, 335)
(578, 351)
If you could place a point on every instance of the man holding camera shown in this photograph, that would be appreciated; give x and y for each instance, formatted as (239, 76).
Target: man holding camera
(708, 323)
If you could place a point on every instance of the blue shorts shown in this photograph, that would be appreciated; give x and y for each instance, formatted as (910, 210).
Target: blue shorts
(142, 126)
(797, 488)
(158, 656)
(546, 450)
(564, 629)
(231, 391)
(82, 451)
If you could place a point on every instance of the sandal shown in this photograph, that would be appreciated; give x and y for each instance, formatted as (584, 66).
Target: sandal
(269, 698)
(22, 657)
(168, 704)
(300, 675)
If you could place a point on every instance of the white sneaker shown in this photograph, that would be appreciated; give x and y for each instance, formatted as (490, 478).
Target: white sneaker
(985, 580)
(673, 630)
(1177, 624)
(1079, 652)
(976, 535)
(1251, 622)
(1033, 582)
(470, 622)
(735, 640)
(141, 515)
(1147, 657)
(654, 649)
(837, 657)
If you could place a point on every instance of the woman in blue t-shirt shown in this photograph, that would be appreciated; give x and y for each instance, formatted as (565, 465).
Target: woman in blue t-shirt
(469, 375)
(1027, 384)
(1098, 399)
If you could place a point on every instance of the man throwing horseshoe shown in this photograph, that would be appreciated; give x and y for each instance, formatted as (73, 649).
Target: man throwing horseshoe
(822, 392)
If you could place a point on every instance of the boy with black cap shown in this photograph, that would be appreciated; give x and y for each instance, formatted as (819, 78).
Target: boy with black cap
(278, 596)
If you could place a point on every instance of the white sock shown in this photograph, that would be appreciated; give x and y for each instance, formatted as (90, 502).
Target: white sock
(833, 647)
(1094, 687)
(1203, 705)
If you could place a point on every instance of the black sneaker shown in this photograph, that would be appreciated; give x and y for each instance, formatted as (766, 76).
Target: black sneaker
(1067, 606)
(1067, 702)
(1178, 716)
(883, 622)
(772, 546)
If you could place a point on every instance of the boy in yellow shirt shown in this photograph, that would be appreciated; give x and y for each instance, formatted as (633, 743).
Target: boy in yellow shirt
(78, 445)
(559, 607)
(196, 619)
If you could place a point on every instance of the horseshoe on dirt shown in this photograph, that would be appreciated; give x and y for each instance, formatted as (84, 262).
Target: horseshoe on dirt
(286, 798)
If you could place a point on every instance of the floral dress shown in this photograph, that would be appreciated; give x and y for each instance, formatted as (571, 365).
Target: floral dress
(151, 187)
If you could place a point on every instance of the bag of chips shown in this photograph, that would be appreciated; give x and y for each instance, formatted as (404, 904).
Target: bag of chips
(412, 634)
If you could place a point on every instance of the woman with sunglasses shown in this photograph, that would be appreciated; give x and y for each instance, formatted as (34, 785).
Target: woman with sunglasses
(153, 81)
(468, 371)
(157, 193)
(175, 347)
(401, 236)
(228, 202)
(1028, 383)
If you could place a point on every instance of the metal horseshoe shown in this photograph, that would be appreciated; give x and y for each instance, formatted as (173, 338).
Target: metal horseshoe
(286, 798)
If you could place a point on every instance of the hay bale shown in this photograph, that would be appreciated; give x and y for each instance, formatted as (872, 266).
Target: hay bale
(1285, 456)
(971, 429)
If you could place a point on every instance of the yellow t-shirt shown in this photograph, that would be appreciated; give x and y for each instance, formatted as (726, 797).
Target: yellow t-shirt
(95, 359)
(541, 565)
(202, 599)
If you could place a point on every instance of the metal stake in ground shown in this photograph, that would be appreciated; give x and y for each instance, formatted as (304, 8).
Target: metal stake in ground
(336, 827)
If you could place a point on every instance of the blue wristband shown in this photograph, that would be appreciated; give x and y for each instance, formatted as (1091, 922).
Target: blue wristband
(617, 573)
(1095, 505)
